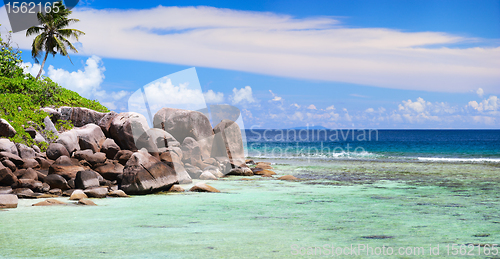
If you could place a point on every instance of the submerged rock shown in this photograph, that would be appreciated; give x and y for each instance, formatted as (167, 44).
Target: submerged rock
(86, 202)
(288, 178)
(203, 187)
(50, 202)
(8, 201)
(118, 193)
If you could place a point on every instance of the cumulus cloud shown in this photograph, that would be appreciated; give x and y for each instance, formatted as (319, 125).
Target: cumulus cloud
(491, 104)
(417, 106)
(242, 96)
(369, 110)
(295, 105)
(213, 97)
(330, 108)
(311, 107)
(85, 82)
(480, 92)
(319, 48)
(275, 97)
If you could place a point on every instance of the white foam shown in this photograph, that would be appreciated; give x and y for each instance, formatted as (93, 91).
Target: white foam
(469, 160)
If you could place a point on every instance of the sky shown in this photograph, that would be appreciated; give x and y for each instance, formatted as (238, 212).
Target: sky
(338, 64)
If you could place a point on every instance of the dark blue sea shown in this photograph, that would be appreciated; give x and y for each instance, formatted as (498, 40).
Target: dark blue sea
(425, 145)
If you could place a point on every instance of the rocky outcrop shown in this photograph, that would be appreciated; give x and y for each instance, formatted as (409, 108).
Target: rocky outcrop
(69, 140)
(111, 171)
(106, 121)
(56, 150)
(7, 178)
(8, 146)
(126, 127)
(66, 167)
(49, 126)
(90, 137)
(86, 179)
(14, 158)
(110, 148)
(80, 116)
(56, 182)
(184, 123)
(207, 175)
(144, 174)
(6, 130)
(228, 142)
(24, 151)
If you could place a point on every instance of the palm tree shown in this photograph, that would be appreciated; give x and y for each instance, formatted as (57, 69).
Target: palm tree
(52, 34)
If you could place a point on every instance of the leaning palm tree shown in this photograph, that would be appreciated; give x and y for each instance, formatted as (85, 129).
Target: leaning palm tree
(52, 35)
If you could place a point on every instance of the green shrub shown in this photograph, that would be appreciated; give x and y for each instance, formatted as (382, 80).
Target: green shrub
(22, 96)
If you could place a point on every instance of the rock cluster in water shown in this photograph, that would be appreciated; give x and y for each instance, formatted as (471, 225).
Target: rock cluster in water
(116, 154)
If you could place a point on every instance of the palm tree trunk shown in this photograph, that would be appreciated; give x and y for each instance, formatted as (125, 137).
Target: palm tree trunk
(43, 63)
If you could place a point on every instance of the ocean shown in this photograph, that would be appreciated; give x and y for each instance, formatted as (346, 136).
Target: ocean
(409, 145)
(402, 194)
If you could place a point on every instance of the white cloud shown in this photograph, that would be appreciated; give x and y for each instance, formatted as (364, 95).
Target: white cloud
(369, 110)
(417, 106)
(243, 95)
(492, 104)
(317, 48)
(164, 92)
(297, 116)
(480, 92)
(85, 82)
(213, 97)
(296, 105)
(311, 107)
(275, 97)
(330, 108)
(32, 69)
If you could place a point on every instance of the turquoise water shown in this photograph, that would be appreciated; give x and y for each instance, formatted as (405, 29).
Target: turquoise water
(434, 145)
(391, 204)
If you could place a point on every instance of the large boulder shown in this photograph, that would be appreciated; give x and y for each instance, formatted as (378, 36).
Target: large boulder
(9, 164)
(126, 128)
(69, 140)
(86, 179)
(184, 123)
(66, 167)
(53, 113)
(56, 150)
(156, 140)
(56, 182)
(80, 116)
(123, 156)
(111, 171)
(6, 130)
(49, 126)
(8, 201)
(192, 152)
(110, 148)
(228, 142)
(24, 151)
(97, 192)
(144, 174)
(30, 163)
(106, 121)
(78, 195)
(8, 146)
(29, 174)
(92, 158)
(7, 178)
(14, 158)
(90, 136)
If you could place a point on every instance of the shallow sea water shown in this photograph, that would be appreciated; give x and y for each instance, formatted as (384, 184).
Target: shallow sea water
(337, 204)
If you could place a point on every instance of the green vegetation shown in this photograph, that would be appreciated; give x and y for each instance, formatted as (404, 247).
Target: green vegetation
(52, 35)
(22, 96)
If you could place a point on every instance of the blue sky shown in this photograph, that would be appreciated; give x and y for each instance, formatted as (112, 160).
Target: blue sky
(338, 64)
